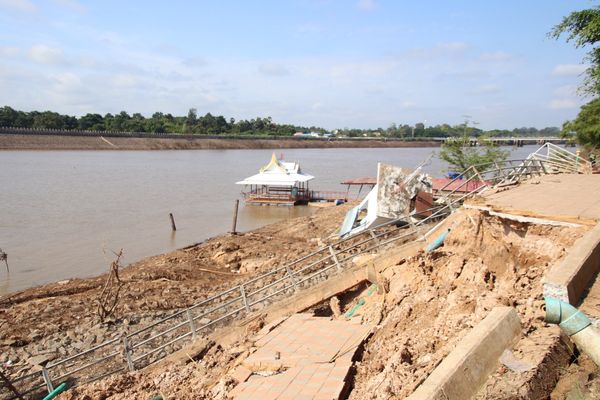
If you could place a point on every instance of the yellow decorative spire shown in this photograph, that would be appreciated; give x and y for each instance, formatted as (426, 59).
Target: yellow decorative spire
(273, 163)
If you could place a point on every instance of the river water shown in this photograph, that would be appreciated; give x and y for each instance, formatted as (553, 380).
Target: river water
(62, 210)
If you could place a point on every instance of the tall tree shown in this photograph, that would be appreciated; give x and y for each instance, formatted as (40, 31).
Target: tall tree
(583, 28)
(587, 124)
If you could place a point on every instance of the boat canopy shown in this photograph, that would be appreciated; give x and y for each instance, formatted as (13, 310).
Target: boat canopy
(278, 173)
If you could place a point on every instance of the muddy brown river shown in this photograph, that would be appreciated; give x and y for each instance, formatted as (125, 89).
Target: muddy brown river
(64, 212)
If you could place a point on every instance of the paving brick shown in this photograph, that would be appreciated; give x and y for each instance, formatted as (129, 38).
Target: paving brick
(241, 373)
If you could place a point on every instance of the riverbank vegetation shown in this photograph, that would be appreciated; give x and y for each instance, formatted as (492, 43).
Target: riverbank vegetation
(460, 154)
(209, 124)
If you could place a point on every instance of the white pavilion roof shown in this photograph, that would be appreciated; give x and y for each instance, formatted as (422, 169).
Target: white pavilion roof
(277, 173)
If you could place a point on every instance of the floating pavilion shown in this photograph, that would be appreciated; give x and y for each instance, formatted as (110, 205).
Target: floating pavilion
(278, 183)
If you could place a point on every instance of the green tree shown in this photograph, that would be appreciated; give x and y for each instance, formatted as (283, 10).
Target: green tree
(583, 28)
(48, 120)
(586, 126)
(91, 122)
(8, 116)
(460, 155)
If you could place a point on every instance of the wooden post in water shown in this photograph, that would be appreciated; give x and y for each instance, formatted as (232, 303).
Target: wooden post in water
(235, 215)
(4, 257)
(173, 227)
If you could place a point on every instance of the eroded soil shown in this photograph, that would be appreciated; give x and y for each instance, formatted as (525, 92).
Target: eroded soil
(60, 319)
(433, 300)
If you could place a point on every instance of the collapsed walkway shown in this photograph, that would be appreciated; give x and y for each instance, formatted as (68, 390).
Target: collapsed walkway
(306, 357)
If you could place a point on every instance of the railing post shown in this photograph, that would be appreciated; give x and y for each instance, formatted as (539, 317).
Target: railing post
(244, 298)
(128, 354)
(375, 239)
(292, 278)
(47, 380)
(191, 322)
(543, 167)
(500, 171)
(337, 262)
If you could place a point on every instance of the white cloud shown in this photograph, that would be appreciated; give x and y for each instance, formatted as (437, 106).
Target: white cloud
(566, 91)
(486, 89)
(9, 52)
(463, 73)
(496, 56)
(453, 46)
(563, 104)
(363, 69)
(124, 80)
(366, 5)
(444, 49)
(195, 62)
(86, 61)
(273, 69)
(67, 82)
(19, 5)
(569, 69)
(46, 55)
(374, 90)
(71, 4)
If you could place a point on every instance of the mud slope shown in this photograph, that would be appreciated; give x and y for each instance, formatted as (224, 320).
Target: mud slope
(60, 319)
(433, 300)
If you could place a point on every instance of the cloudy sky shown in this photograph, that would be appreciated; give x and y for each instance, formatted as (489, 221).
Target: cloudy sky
(331, 63)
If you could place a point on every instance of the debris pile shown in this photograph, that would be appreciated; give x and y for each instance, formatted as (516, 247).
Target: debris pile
(436, 298)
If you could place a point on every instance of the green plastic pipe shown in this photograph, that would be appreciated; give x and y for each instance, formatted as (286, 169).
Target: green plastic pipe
(59, 389)
(575, 324)
(351, 312)
(438, 241)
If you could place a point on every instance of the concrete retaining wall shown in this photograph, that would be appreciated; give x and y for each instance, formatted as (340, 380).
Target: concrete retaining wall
(570, 278)
(468, 366)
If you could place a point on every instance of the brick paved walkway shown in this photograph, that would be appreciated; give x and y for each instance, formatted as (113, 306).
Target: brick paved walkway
(314, 353)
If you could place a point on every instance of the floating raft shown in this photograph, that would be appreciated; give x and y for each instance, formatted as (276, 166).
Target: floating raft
(283, 184)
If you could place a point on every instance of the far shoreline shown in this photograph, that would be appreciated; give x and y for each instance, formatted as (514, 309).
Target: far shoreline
(15, 142)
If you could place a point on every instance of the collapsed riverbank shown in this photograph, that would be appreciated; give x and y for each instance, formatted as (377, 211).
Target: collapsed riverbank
(425, 305)
(487, 262)
(49, 322)
(59, 142)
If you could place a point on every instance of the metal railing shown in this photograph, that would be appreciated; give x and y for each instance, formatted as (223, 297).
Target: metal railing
(153, 342)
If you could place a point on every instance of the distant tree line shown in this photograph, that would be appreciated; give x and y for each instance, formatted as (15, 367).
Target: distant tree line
(209, 124)
(445, 130)
(158, 123)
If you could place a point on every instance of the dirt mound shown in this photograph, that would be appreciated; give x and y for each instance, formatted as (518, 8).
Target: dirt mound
(436, 298)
